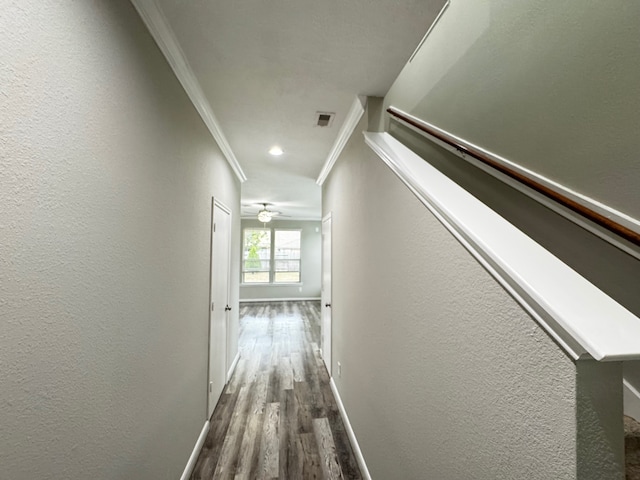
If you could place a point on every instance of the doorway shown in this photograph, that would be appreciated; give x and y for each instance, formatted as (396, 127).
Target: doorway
(219, 306)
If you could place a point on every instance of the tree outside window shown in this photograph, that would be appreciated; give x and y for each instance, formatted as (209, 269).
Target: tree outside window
(256, 256)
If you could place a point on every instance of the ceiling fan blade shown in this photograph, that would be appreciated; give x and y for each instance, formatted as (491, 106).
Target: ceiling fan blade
(263, 207)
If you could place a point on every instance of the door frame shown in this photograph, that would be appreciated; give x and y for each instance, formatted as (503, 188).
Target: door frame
(326, 337)
(215, 202)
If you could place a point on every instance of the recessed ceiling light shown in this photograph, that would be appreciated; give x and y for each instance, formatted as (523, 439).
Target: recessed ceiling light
(276, 151)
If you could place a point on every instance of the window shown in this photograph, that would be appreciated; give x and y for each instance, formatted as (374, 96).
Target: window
(271, 256)
(287, 256)
(256, 265)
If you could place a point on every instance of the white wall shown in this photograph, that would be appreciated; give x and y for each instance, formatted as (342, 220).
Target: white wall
(553, 87)
(106, 179)
(310, 263)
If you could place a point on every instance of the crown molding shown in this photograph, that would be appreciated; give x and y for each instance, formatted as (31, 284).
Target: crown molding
(163, 35)
(346, 130)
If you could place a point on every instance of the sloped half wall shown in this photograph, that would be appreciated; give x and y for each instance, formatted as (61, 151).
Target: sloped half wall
(443, 374)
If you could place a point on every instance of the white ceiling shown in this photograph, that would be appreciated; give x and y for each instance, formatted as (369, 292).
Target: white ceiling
(267, 67)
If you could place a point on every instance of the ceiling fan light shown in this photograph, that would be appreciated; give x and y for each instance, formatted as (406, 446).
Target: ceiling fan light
(264, 216)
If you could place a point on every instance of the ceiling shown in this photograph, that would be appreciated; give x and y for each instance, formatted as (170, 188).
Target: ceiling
(267, 67)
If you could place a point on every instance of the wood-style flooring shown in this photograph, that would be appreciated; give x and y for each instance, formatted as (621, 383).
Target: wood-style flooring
(277, 417)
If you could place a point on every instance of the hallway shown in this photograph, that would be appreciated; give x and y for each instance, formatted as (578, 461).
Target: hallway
(277, 417)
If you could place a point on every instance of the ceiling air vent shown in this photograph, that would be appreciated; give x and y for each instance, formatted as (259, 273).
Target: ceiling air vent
(324, 119)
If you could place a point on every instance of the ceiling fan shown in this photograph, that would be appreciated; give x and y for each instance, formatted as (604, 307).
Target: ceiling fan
(265, 215)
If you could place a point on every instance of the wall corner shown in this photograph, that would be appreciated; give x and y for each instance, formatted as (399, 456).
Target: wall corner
(599, 435)
(375, 114)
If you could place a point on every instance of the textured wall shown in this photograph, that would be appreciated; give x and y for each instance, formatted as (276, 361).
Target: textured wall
(310, 264)
(552, 86)
(443, 374)
(106, 178)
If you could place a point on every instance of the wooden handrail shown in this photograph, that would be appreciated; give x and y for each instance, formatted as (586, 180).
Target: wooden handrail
(586, 212)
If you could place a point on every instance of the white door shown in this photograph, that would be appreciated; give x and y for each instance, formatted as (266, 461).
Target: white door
(326, 291)
(219, 308)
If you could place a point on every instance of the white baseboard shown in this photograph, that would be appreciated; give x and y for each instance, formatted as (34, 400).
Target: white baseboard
(196, 451)
(264, 300)
(233, 366)
(352, 436)
(631, 400)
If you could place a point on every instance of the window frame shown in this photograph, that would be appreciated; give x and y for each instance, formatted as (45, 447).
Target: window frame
(272, 258)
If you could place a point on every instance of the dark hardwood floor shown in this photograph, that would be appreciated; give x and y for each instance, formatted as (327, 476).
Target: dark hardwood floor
(277, 417)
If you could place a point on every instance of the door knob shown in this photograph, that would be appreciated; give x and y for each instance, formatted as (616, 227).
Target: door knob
(227, 308)
(327, 305)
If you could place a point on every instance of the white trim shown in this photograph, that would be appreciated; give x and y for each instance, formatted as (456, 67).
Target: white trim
(346, 130)
(292, 299)
(233, 366)
(161, 32)
(578, 315)
(351, 434)
(257, 284)
(186, 474)
(221, 205)
(598, 207)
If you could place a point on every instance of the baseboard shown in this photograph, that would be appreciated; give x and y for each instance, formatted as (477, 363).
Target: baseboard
(352, 436)
(631, 400)
(233, 366)
(196, 451)
(265, 300)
